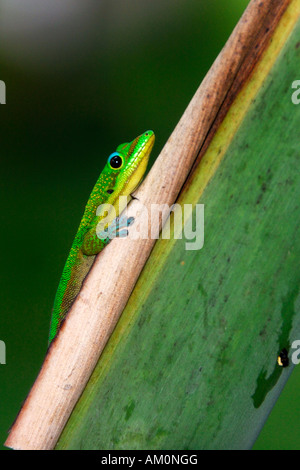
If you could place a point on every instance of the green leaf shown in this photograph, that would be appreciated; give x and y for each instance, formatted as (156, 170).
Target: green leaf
(192, 363)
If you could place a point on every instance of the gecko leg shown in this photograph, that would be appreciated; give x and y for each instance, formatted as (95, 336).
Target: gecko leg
(94, 242)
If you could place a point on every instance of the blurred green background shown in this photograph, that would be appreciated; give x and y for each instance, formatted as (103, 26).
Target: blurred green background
(82, 77)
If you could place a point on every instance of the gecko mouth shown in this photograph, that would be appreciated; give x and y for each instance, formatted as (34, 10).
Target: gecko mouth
(140, 164)
(147, 147)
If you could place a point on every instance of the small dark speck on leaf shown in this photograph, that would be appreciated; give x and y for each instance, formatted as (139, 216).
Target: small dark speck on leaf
(263, 331)
(263, 190)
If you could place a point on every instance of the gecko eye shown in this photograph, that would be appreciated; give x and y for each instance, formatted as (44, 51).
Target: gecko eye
(115, 161)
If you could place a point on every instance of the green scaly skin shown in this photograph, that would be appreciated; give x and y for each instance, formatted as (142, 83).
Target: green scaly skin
(121, 175)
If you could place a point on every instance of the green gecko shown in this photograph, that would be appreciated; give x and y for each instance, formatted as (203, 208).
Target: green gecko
(121, 175)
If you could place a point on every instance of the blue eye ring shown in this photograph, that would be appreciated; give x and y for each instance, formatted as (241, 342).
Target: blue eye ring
(115, 161)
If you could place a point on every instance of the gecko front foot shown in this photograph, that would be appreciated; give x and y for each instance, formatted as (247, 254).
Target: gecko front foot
(117, 229)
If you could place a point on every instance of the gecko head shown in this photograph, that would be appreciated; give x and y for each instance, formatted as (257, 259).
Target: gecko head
(129, 162)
